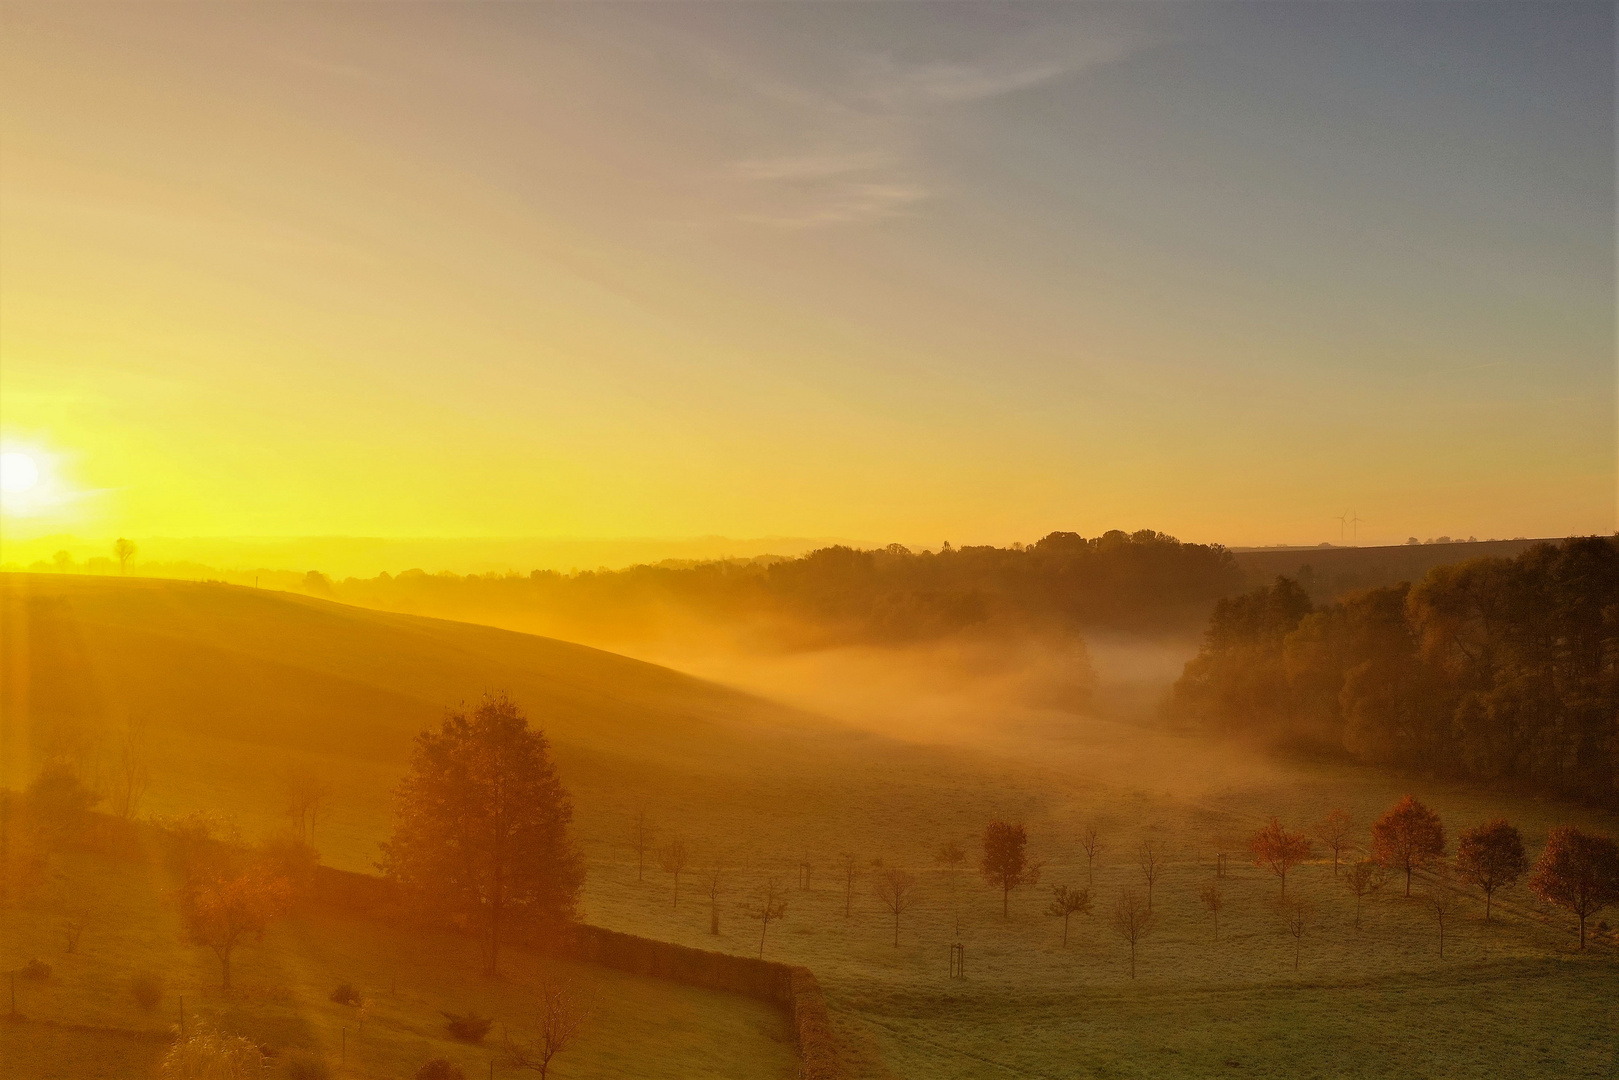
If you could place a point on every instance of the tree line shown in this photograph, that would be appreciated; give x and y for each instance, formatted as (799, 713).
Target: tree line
(1498, 670)
(1141, 581)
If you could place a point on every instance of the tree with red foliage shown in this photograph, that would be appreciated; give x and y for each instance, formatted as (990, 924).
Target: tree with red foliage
(1279, 850)
(1407, 837)
(220, 914)
(1491, 857)
(1578, 872)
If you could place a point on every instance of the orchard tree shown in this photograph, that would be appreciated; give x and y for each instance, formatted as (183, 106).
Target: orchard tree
(1297, 914)
(673, 859)
(895, 890)
(769, 904)
(223, 913)
(1578, 872)
(1442, 899)
(716, 878)
(481, 827)
(1005, 863)
(1363, 879)
(1152, 863)
(1065, 902)
(1132, 921)
(850, 865)
(1278, 850)
(1409, 836)
(563, 1014)
(1213, 899)
(1334, 832)
(1490, 857)
(1091, 841)
(642, 833)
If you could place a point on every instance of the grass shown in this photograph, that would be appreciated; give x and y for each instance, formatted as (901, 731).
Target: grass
(84, 1020)
(763, 789)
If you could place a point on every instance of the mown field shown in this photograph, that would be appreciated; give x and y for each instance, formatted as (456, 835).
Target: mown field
(762, 790)
(83, 1021)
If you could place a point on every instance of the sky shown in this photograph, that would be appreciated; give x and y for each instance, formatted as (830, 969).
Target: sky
(893, 272)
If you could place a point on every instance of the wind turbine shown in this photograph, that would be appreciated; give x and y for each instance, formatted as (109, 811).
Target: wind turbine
(1343, 523)
(1354, 526)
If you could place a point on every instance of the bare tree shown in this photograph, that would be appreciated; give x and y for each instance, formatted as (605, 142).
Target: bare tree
(1334, 831)
(304, 794)
(123, 549)
(642, 833)
(563, 1014)
(1296, 916)
(769, 903)
(1132, 921)
(1151, 863)
(1091, 841)
(1065, 902)
(1443, 900)
(951, 858)
(1213, 900)
(852, 873)
(716, 875)
(1363, 879)
(672, 860)
(134, 769)
(73, 926)
(895, 889)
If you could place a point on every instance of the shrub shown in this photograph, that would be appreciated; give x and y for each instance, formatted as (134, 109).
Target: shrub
(346, 994)
(469, 1028)
(302, 1065)
(36, 969)
(148, 990)
(208, 1055)
(440, 1069)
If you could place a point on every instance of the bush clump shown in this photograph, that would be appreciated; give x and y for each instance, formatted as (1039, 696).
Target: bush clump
(147, 989)
(440, 1069)
(346, 994)
(35, 969)
(302, 1065)
(469, 1028)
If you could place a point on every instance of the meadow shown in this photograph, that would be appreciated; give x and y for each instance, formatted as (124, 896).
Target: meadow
(762, 789)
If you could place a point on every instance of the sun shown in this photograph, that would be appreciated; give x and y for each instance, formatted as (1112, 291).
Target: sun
(18, 473)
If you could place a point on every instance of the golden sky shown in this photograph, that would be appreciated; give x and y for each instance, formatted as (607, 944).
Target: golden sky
(890, 272)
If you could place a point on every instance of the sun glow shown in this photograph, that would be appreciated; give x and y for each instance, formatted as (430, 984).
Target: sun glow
(18, 473)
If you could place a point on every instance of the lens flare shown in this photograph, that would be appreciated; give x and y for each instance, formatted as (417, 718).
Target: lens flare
(18, 473)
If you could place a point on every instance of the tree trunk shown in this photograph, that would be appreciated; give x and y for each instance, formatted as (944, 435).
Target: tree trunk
(1065, 930)
(224, 968)
(677, 890)
(762, 931)
(1006, 893)
(1408, 880)
(896, 929)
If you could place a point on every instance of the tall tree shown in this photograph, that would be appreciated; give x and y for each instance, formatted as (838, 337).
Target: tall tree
(1278, 850)
(1005, 863)
(1408, 837)
(894, 889)
(481, 825)
(1578, 872)
(1490, 857)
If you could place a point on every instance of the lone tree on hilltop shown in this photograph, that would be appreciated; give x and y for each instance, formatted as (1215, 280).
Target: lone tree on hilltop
(850, 865)
(895, 889)
(1363, 879)
(1490, 857)
(1132, 921)
(222, 913)
(1091, 841)
(1213, 899)
(481, 825)
(1578, 872)
(1278, 850)
(769, 903)
(1407, 837)
(673, 859)
(1334, 832)
(1066, 901)
(1005, 863)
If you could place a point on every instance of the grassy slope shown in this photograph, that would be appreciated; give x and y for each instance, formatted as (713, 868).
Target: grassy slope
(643, 1027)
(763, 789)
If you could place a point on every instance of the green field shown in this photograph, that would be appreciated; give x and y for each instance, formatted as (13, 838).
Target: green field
(763, 789)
